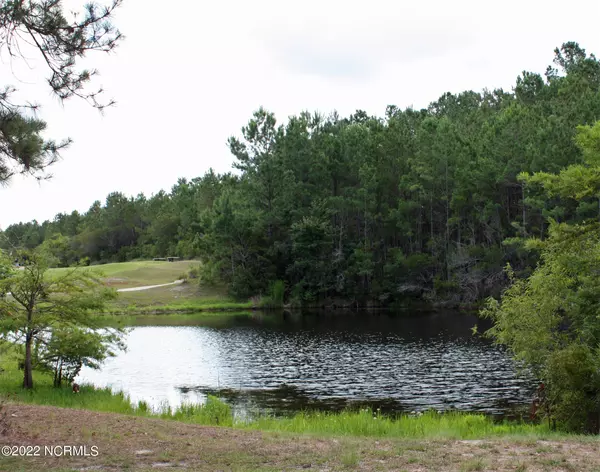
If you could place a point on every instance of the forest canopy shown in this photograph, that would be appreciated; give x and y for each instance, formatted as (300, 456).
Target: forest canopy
(425, 203)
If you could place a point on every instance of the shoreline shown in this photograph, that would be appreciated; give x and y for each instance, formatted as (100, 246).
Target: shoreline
(140, 443)
(224, 307)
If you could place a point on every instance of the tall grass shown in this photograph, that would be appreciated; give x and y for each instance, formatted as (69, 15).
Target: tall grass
(44, 393)
(212, 412)
(185, 306)
(367, 422)
(275, 296)
(203, 318)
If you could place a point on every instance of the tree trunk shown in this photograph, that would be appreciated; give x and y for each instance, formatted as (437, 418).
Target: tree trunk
(28, 376)
(593, 423)
(431, 224)
(58, 373)
(524, 213)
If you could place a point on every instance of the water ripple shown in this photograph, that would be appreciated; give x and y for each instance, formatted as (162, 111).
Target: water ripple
(289, 365)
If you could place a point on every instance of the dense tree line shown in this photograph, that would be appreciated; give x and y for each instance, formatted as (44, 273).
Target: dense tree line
(418, 202)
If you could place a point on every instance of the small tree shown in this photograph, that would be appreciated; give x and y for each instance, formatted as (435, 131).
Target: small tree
(550, 323)
(69, 349)
(43, 309)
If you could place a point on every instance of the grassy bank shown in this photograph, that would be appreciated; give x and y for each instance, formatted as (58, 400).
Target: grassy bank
(143, 444)
(147, 302)
(11, 379)
(211, 319)
(426, 426)
(133, 437)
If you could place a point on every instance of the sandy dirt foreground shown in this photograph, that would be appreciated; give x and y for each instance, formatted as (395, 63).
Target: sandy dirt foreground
(63, 439)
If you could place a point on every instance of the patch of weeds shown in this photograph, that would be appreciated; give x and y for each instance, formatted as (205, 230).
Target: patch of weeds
(550, 462)
(562, 463)
(125, 464)
(165, 456)
(350, 459)
(567, 465)
(529, 442)
(417, 447)
(382, 453)
(473, 465)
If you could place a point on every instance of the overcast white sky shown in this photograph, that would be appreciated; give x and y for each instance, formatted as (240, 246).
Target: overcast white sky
(190, 73)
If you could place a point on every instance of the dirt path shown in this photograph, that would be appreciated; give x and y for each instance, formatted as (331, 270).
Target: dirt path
(148, 287)
(135, 443)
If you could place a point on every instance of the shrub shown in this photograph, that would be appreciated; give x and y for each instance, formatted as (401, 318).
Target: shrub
(275, 296)
(194, 272)
(208, 273)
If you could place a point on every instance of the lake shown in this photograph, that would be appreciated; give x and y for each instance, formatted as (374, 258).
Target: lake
(285, 362)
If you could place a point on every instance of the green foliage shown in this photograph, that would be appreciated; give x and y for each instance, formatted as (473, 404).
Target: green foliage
(48, 316)
(310, 271)
(213, 411)
(6, 270)
(367, 422)
(574, 374)
(550, 320)
(194, 272)
(67, 350)
(208, 273)
(444, 286)
(275, 297)
(370, 209)
(44, 392)
(61, 249)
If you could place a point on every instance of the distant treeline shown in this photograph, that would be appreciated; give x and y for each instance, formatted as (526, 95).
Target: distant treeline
(419, 202)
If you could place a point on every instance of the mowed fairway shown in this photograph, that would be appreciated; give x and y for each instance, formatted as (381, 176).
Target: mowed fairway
(139, 273)
(146, 273)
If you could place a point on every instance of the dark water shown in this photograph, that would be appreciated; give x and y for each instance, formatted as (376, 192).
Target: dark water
(286, 362)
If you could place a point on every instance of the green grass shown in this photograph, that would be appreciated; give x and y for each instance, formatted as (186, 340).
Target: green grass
(429, 425)
(139, 273)
(188, 297)
(213, 319)
(44, 393)
(473, 465)
(153, 301)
